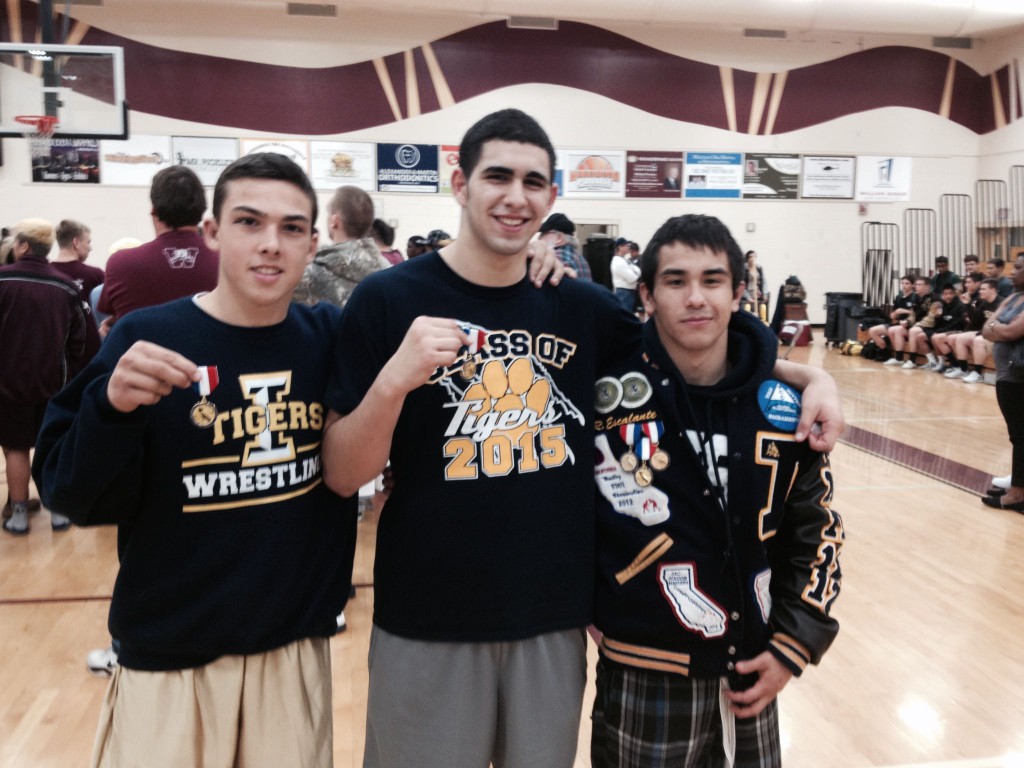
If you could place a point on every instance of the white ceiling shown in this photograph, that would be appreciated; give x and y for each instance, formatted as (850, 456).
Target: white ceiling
(958, 18)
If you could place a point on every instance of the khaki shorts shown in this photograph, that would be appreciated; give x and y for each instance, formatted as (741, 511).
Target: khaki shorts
(269, 709)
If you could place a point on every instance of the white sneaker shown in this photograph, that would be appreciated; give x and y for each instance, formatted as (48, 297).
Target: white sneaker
(909, 365)
(1002, 482)
(59, 522)
(955, 373)
(893, 361)
(342, 625)
(102, 662)
(972, 378)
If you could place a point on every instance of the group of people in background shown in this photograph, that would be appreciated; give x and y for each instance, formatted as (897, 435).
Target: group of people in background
(959, 327)
(936, 323)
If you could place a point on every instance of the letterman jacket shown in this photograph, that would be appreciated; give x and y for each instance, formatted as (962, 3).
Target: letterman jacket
(696, 572)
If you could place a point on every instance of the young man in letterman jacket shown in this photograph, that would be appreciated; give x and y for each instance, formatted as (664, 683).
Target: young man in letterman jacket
(711, 595)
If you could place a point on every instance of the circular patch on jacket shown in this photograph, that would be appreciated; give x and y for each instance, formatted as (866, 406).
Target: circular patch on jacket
(780, 404)
(636, 390)
(607, 394)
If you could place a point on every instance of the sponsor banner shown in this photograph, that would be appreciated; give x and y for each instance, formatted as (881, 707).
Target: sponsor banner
(343, 163)
(654, 174)
(407, 168)
(135, 161)
(447, 162)
(594, 173)
(205, 155)
(296, 149)
(882, 179)
(67, 161)
(561, 158)
(713, 174)
(771, 176)
(827, 177)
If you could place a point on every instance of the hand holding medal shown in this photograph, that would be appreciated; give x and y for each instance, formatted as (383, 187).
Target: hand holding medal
(147, 373)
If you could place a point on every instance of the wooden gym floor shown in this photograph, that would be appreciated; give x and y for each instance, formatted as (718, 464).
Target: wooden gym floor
(927, 670)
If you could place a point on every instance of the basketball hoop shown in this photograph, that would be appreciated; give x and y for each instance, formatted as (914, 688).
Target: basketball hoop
(39, 132)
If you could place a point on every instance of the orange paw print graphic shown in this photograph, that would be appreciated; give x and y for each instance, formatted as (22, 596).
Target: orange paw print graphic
(516, 391)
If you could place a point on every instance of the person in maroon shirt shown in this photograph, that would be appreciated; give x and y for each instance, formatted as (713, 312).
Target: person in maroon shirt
(42, 338)
(174, 264)
(74, 240)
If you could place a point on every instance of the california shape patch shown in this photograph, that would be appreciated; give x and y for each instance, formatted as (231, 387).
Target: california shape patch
(694, 609)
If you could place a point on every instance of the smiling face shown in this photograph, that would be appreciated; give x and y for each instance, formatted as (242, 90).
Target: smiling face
(505, 199)
(692, 303)
(265, 238)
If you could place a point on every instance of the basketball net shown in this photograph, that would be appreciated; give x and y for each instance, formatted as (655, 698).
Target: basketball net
(38, 129)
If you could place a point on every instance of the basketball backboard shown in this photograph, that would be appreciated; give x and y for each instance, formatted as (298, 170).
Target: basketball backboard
(81, 85)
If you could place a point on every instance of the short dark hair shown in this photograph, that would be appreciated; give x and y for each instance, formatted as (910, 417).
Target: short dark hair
(972, 257)
(997, 262)
(922, 279)
(68, 230)
(976, 276)
(697, 231)
(355, 209)
(178, 197)
(949, 287)
(504, 125)
(265, 165)
(384, 232)
(942, 259)
(991, 282)
(907, 277)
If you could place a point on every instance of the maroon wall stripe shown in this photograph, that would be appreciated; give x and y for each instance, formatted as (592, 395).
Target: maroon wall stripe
(296, 100)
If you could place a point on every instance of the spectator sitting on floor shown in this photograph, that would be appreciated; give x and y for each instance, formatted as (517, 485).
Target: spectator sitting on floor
(994, 269)
(945, 315)
(899, 333)
(902, 310)
(943, 341)
(971, 347)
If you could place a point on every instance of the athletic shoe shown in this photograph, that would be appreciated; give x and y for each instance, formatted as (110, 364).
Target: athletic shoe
(59, 522)
(927, 366)
(18, 524)
(33, 506)
(996, 492)
(955, 373)
(972, 378)
(102, 662)
(942, 369)
(908, 366)
(1002, 482)
(342, 625)
(893, 361)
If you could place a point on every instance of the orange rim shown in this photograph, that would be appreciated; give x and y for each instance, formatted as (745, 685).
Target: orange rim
(44, 124)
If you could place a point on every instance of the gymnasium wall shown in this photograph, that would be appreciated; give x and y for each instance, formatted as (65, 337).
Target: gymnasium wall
(817, 240)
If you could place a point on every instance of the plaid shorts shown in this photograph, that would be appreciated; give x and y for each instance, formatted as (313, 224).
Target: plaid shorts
(648, 719)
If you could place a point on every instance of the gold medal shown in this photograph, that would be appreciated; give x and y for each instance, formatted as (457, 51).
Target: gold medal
(629, 461)
(644, 476)
(659, 460)
(203, 413)
(469, 368)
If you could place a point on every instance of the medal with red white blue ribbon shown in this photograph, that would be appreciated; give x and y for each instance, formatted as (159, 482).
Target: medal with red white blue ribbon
(643, 439)
(204, 412)
(477, 341)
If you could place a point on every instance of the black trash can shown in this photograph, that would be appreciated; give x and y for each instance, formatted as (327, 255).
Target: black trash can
(840, 323)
